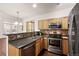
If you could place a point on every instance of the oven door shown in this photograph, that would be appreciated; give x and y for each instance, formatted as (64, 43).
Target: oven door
(54, 43)
(55, 46)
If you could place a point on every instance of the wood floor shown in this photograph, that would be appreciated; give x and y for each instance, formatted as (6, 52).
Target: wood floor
(47, 53)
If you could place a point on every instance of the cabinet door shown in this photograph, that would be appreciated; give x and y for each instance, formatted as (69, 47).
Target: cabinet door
(38, 47)
(40, 24)
(64, 23)
(45, 43)
(42, 43)
(53, 20)
(65, 46)
(45, 24)
(1, 47)
(13, 51)
(59, 21)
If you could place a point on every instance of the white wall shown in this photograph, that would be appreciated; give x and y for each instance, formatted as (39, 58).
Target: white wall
(59, 11)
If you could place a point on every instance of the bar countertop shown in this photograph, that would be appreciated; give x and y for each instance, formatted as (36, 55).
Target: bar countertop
(23, 42)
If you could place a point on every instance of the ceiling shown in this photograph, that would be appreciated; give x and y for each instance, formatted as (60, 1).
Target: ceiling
(26, 10)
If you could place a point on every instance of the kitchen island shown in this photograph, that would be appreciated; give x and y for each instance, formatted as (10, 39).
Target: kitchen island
(27, 46)
(2, 45)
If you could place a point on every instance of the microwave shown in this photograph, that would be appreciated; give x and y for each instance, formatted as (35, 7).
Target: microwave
(55, 26)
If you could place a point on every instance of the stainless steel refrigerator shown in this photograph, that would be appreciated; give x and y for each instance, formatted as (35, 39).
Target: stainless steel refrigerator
(74, 31)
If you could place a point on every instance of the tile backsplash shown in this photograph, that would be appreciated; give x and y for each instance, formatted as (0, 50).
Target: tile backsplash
(20, 35)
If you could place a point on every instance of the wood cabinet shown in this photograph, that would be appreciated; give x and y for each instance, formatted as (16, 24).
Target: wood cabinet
(65, 46)
(13, 51)
(2, 46)
(38, 47)
(33, 49)
(64, 22)
(43, 24)
(42, 43)
(40, 24)
(53, 20)
(28, 50)
(45, 43)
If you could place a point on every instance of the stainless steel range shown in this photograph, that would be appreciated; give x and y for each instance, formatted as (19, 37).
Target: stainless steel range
(55, 43)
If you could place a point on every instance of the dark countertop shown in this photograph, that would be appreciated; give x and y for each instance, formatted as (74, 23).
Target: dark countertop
(23, 42)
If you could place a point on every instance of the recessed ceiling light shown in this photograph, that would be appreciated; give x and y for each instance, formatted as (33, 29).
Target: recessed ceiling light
(34, 5)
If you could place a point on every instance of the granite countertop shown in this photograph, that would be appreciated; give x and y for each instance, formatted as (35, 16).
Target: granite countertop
(23, 42)
(2, 37)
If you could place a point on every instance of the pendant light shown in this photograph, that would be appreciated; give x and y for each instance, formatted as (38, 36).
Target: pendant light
(16, 23)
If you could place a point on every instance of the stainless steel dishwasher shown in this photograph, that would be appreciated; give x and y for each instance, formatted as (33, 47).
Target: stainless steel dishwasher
(28, 50)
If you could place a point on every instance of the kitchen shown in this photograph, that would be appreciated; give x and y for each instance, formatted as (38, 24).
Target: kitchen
(40, 29)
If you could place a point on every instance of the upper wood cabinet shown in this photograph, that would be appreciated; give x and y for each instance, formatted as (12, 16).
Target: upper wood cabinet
(53, 20)
(64, 22)
(40, 24)
(43, 24)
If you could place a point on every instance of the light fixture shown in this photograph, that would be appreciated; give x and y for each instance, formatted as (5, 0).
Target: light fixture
(16, 23)
(20, 23)
(34, 5)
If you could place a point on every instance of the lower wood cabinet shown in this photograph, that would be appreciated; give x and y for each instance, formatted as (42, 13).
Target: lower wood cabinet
(2, 46)
(38, 47)
(65, 46)
(30, 50)
(41, 43)
(13, 51)
(45, 43)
